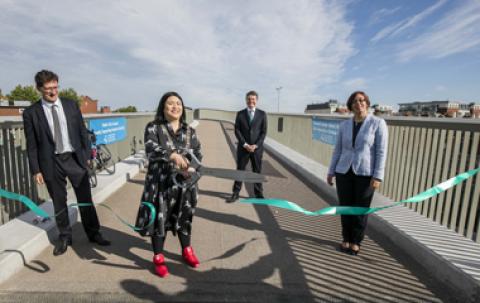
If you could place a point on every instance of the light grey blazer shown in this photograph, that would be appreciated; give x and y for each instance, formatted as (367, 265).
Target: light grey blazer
(368, 156)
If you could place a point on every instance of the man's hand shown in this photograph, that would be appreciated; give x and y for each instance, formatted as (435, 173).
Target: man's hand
(39, 178)
(250, 148)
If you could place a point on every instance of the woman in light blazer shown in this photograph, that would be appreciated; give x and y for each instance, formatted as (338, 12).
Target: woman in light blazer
(358, 164)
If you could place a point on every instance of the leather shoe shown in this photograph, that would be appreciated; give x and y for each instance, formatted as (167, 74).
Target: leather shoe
(354, 252)
(61, 247)
(233, 198)
(98, 238)
(259, 196)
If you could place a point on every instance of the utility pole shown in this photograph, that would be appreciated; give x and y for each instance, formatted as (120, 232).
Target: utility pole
(278, 97)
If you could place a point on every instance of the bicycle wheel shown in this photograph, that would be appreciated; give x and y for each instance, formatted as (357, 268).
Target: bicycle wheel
(92, 175)
(105, 159)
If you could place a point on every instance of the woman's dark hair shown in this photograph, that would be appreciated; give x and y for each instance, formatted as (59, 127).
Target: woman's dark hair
(160, 116)
(45, 76)
(351, 99)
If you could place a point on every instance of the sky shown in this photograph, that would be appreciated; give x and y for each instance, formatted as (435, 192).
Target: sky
(292, 52)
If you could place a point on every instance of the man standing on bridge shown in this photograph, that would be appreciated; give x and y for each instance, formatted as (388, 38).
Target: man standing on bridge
(250, 130)
(58, 147)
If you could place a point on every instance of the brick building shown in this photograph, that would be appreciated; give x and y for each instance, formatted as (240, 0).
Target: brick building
(446, 108)
(105, 109)
(88, 105)
(382, 110)
(329, 107)
(13, 110)
(474, 110)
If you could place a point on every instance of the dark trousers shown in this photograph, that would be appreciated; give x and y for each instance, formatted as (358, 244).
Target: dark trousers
(158, 242)
(242, 161)
(66, 165)
(353, 190)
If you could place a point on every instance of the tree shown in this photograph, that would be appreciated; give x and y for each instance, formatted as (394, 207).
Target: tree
(24, 93)
(128, 109)
(70, 93)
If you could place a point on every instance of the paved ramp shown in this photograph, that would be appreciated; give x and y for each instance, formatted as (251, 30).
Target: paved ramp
(247, 253)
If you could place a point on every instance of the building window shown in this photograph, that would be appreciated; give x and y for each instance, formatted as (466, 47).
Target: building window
(280, 124)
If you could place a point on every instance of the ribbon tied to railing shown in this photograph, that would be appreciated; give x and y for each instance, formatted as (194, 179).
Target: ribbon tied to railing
(354, 210)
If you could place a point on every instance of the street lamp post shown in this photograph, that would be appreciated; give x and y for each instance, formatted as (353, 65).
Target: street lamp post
(278, 97)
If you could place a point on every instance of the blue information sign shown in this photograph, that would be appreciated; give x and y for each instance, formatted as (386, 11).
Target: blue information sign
(109, 130)
(325, 130)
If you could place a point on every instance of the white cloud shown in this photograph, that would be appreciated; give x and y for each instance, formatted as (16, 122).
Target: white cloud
(356, 84)
(211, 52)
(396, 28)
(457, 32)
(381, 14)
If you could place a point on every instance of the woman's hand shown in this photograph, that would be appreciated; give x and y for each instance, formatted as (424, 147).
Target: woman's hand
(375, 184)
(330, 179)
(179, 161)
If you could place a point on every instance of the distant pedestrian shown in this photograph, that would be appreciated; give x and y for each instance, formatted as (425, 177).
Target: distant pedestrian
(250, 131)
(358, 164)
(167, 140)
(57, 148)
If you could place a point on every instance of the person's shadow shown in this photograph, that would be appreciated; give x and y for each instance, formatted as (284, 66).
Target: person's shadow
(222, 285)
(122, 244)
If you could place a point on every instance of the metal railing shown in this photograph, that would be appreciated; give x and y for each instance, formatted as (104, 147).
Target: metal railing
(14, 171)
(422, 152)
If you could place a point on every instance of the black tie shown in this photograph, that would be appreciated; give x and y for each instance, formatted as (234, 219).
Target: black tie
(57, 137)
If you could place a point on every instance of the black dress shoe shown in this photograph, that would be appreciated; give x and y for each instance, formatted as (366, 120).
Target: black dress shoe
(61, 246)
(98, 238)
(233, 198)
(354, 252)
(344, 247)
(259, 196)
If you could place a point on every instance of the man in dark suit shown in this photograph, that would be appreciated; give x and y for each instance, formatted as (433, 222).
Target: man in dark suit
(250, 130)
(58, 147)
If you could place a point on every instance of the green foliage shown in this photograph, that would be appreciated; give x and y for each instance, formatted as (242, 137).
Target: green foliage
(24, 93)
(69, 93)
(128, 109)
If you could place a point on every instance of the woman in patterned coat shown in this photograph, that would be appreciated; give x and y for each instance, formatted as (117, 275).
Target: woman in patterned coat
(168, 139)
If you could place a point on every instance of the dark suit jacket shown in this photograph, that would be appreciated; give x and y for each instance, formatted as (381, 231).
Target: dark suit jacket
(250, 133)
(40, 144)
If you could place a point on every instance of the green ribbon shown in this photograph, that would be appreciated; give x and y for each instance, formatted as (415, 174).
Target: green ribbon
(42, 213)
(354, 210)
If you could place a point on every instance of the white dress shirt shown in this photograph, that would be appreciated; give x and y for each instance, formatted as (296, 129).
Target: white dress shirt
(47, 109)
(251, 113)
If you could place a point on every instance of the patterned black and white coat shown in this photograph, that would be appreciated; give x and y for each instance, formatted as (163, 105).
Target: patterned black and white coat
(174, 205)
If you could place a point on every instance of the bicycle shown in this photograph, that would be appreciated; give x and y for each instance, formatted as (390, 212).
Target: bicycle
(100, 159)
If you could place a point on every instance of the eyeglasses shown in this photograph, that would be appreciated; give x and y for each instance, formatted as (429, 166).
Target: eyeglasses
(52, 88)
(359, 100)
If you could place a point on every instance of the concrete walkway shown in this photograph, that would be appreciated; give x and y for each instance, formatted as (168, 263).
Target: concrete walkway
(247, 253)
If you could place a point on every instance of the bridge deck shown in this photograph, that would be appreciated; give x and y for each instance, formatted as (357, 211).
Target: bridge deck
(247, 253)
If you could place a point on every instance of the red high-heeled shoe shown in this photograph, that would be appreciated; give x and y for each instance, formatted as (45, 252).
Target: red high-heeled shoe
(160, 267)
(189, 257)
